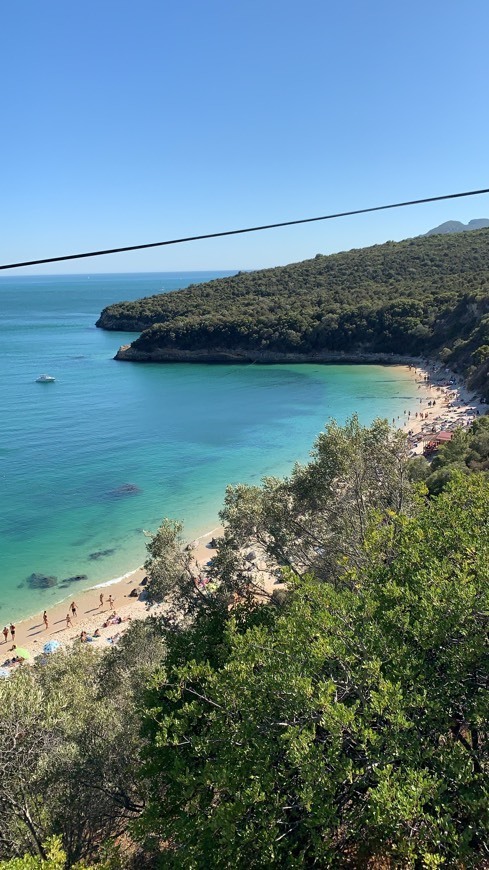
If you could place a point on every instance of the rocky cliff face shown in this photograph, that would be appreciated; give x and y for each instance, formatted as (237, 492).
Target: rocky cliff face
(127, 353)
(117, 323)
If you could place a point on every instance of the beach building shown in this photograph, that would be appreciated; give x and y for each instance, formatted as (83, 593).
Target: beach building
(433, 440)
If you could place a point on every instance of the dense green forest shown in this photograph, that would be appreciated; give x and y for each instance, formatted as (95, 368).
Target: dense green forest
(423, 296)
(339, 721)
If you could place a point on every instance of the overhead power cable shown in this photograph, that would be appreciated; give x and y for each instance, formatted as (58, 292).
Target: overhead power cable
(257, 229)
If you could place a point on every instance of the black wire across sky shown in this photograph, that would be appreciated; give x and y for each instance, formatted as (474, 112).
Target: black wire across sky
(327, 217)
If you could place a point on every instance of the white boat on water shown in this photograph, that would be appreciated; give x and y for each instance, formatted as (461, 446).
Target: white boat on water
(45, 379)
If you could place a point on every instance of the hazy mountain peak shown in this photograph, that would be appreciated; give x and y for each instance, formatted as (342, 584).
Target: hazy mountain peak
(458, 227)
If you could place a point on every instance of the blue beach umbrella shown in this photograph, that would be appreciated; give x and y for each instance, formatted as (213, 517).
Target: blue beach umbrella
(51, 646)
(4, 673)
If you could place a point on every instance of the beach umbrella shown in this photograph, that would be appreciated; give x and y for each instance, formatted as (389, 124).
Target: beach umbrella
(4, 673)
(21, 652)
(51, 646)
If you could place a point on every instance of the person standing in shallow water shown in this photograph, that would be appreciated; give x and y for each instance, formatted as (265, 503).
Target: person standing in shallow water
(5, 633)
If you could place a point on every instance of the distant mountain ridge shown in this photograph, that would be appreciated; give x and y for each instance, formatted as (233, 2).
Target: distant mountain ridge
(458, 227)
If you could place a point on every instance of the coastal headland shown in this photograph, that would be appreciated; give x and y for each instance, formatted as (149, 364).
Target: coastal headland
(426, 296)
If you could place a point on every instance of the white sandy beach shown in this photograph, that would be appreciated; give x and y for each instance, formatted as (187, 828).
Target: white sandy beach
(444, 403)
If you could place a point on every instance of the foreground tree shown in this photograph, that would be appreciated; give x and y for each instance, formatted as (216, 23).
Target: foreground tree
(69, 747)
(317, 520)
(348, 725)
(55, 859)
(169, 567)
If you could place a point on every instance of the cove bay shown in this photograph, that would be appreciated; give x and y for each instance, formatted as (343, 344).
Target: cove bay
(90, 461)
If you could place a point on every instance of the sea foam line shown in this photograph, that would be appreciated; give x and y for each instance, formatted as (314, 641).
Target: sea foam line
(116, 579)
(130, 573)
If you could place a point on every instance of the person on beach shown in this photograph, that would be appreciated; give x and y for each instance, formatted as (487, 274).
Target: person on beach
(69, 623)
(101, 599)
(111, 602)
(73, 608)
(5, 633)
(12, 631)
(114, 638)
(45, 620)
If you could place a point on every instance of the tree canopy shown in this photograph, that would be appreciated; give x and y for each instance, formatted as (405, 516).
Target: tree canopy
(350, 726)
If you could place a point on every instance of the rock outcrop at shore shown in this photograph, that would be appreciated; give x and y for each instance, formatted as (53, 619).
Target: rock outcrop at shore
(128, 353)
(120, 323)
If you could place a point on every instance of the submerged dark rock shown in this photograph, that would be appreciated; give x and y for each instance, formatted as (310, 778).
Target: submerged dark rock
(99, 554)
(75, 578)
(124, 489)
(41, 581)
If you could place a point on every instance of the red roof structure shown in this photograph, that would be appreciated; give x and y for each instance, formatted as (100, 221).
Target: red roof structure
(438, 437)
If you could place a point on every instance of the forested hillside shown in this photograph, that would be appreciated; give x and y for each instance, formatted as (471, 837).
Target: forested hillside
(422, 296)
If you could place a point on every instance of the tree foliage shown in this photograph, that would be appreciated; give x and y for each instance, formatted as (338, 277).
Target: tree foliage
(351, 725)
(69, 748)
(316, 521)
(171, 571)
(467, 451)
(55, 859)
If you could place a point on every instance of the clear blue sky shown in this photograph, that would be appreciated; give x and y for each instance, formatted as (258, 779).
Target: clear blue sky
(128, 122)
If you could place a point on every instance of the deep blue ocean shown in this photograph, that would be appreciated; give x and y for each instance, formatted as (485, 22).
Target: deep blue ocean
(110, 448)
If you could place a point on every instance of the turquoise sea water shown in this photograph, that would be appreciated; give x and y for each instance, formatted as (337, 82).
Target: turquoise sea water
(109, 449)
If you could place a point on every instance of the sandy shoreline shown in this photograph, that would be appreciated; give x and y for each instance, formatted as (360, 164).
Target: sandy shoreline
(31, 633)
(444, 402)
